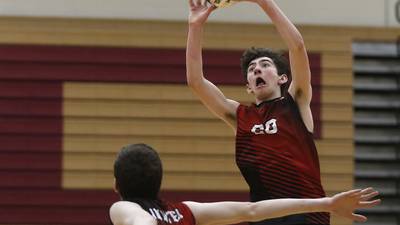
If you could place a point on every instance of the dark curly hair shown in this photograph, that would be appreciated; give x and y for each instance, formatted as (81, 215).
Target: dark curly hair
(277, 57)
(138, 172)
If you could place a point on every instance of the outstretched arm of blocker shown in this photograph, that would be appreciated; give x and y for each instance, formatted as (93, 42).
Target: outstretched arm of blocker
(343, 204)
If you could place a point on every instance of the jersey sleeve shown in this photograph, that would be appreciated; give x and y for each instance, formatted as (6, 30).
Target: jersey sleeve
(187, 213)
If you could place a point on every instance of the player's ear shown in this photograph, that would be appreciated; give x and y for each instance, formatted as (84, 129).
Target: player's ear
(283, 79)
(248, 89)
(115, 187)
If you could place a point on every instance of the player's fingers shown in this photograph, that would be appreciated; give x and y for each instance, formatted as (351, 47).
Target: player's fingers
(367, 190)
(358, 217)
(210, 9)
(369, 204)
(353, 192)
(370, 195)
(191, 4)
(209, 4)
(196, 2)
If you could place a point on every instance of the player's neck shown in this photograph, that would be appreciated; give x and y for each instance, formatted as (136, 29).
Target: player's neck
(271, 97)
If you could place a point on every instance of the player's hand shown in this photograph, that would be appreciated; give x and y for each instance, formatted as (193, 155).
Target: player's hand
(199, 11)
(344, 204)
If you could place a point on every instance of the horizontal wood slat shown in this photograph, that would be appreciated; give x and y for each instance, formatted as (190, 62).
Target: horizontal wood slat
(30, 107)
(54, 215)
(31, 89)
(21, 161)
(188, 181)
(104, 56)
(27, 125)
(158, 33)
(337, 61)
(172, 34)
(190, 163)
(341, 78)
(58, 198)
(167, 92)
(168, 109)
(30, 143)
(176, 145)
(170, 127)
(47, 179)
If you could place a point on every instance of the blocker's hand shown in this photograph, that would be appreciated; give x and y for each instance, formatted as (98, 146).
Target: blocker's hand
(344, 204)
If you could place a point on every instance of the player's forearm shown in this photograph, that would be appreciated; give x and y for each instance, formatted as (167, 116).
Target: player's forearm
(194, 61)
(285, 27)
(283, 207)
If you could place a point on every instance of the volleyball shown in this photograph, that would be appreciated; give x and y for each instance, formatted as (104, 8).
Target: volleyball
(221, 3)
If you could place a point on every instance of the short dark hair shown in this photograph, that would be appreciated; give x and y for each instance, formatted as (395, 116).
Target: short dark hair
(138, 172)
(277, 57)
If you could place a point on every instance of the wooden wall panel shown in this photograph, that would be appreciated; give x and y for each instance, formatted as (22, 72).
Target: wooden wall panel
(168, 109)
(180, 163)
(168, 144)
(198, 181)
(337, 77)
(171, 127)
(333, 95)
(109, 32)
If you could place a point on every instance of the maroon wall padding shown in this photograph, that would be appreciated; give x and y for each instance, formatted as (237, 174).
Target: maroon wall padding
(29, 161)
(29, 89)
(31, 120)
(121, 64)
(57, 198)
(31, 126)
(56, 206)
(29, 107)
(29, 143)
(55, 215)
(30, 179)
(22, 125)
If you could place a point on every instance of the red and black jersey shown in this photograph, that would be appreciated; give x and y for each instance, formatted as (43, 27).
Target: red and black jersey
(167, 213)
(276, 155)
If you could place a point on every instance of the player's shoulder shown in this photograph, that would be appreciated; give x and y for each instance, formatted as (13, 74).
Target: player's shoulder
(122, 211)
(125, 204)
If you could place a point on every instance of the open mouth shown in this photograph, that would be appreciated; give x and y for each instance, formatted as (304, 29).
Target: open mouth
(260, 82)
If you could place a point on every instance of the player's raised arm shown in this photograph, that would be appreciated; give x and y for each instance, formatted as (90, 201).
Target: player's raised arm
(300, 88)
(299, 64)
(342, 204)
(207, 92)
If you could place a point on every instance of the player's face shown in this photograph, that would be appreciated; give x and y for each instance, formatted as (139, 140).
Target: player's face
(263, 79)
